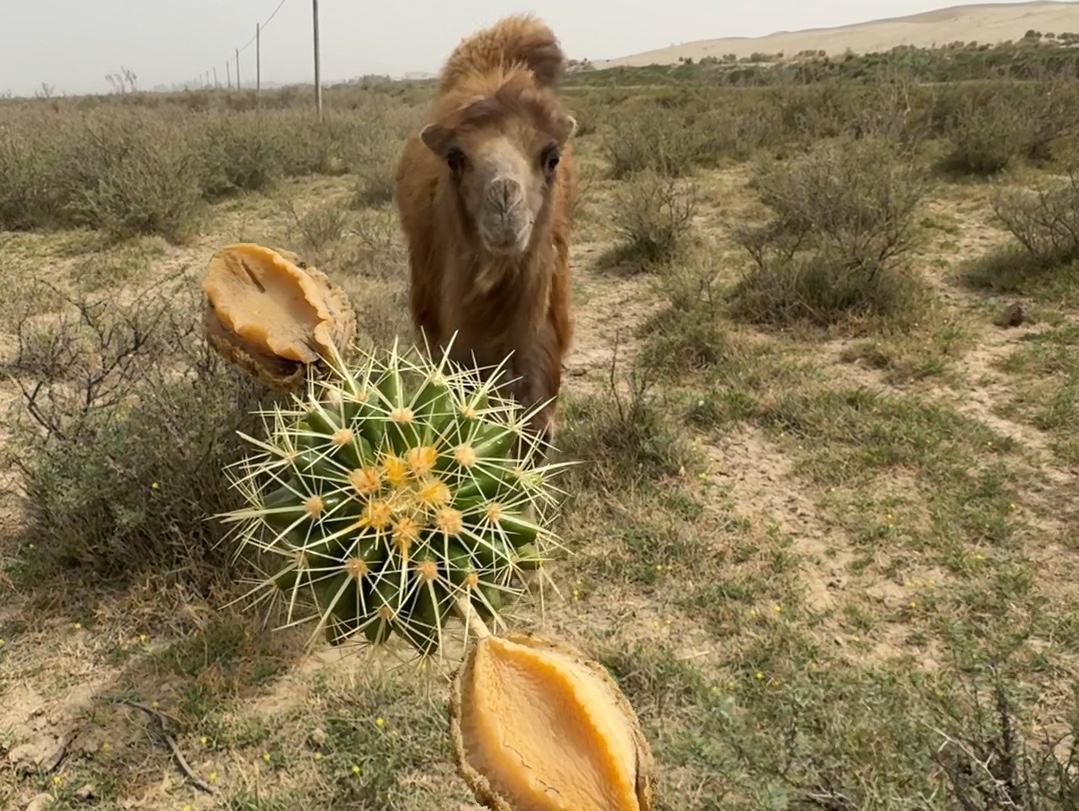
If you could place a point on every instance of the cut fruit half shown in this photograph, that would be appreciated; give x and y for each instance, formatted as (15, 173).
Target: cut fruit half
(271, 315)
(536, 726)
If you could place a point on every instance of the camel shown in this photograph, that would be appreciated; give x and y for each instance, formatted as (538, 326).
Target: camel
(484, 192)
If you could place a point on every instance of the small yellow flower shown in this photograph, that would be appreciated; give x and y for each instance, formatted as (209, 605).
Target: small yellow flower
(189, 807)
(211, 777)
(380, 722)
(758, 676)
(106, 746)
(155, 486)
(154, 704)
(56, 779)
(78, 626)
(266, 756)
(752, 612)
(203, 739)
(355, 769)
(142, 637)
(777, 608)
(913, 604)
(317, 756)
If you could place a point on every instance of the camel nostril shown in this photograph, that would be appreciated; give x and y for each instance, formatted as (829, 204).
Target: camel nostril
(503, 192)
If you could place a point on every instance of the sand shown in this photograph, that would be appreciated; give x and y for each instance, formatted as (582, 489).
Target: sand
(987, 23)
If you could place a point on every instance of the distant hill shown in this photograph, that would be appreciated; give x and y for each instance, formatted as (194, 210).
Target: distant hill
(990, 23)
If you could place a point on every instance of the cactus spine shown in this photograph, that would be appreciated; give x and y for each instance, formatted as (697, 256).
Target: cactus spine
(396, 491)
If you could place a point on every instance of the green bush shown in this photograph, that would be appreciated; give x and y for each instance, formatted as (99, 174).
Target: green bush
(132, 175)
(126, 421)
(1045, 220)
(837, 243)
(653, 217)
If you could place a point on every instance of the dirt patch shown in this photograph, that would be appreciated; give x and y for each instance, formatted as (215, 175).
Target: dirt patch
(605, 315)
(759, 480)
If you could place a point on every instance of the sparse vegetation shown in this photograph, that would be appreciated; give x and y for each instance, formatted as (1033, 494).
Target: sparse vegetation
(653, 218)
(824, 531)
(1043, 256)
(839, 240)
(123, 424)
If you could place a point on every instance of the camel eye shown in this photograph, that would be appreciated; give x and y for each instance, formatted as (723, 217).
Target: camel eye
(456, 160)
(550, 158)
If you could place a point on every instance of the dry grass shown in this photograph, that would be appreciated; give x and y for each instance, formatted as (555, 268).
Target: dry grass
(809, 559)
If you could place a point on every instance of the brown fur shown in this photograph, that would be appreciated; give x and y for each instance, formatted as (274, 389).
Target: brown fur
(497, 87)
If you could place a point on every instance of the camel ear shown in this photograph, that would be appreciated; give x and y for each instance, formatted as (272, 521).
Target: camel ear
(437, 138)
(567, 128)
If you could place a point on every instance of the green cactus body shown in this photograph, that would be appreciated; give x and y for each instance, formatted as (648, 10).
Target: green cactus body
(390, 496)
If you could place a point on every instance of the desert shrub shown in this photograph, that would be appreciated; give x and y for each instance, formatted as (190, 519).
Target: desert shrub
(129, 168)
(239, 152)
(124, 172)
(813, 112)
(991, 759)
(985, 135)
(372, 151)
(312, 148)
(374, 163)
(653, 217)
(373, 271)
(837, 243)
(318, 227)
(126, 421)
(688, 334)
(627, 434)
(30, 198)
(990, 126)
(133, 175)
(669, 142)
(1045, 221)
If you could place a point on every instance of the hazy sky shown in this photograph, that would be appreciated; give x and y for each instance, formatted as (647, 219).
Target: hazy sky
(73, 44)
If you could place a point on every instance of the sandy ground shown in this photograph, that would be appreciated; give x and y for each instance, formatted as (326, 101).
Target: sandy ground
(988, 23)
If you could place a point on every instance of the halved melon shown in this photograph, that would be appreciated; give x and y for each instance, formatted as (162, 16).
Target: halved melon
(272, 317)
(536, 726)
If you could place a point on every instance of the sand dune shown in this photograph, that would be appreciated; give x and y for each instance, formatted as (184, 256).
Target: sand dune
(990, 23)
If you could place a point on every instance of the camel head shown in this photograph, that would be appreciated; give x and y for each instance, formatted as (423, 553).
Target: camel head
(502, 151)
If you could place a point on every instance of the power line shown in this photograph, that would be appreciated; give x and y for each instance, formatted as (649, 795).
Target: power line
(263, 25)
(250, 42)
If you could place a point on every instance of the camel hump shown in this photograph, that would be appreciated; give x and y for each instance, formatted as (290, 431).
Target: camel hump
(512, 42)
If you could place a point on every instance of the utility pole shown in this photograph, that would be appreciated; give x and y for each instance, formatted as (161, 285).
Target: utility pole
(228, 73)
(318, 68)
(238, 69)
(258, 58)
(216, 85)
